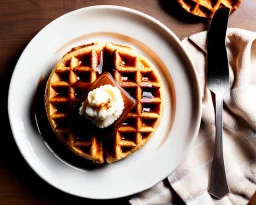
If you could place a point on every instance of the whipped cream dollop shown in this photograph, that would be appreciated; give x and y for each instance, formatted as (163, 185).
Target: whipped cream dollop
(103, 106)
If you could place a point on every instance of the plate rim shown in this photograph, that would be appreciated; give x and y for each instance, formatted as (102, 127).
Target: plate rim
(143, 15)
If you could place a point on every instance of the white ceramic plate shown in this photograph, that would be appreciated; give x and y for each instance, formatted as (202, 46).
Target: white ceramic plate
(182, 109)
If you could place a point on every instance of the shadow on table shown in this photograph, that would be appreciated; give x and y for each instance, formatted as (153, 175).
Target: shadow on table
(14, 167)
(179, 13)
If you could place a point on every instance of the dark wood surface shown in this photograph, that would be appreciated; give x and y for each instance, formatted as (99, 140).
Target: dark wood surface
(20, 20)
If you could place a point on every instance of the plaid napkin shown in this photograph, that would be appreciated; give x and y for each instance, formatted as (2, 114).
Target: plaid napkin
(190, 179)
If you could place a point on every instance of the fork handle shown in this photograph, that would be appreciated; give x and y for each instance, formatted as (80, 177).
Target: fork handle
(218, 183)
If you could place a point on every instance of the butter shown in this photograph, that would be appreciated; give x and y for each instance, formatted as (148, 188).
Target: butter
(103, 106)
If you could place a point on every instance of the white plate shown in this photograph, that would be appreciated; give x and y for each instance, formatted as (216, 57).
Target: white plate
(182, 105)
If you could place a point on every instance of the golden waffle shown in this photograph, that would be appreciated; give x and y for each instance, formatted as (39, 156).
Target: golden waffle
(207, 8)
(72, 75)
(66, 89)
(137, 76)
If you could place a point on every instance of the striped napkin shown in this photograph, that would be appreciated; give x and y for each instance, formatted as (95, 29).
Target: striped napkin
(190, 180)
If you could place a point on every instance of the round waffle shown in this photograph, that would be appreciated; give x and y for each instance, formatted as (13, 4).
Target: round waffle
(66, 90)
(207, 8)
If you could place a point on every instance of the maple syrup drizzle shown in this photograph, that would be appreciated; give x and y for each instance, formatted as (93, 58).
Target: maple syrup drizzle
(145, 109)
(145, 79)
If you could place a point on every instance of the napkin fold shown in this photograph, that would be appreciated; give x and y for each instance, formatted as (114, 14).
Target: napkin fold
(190, 180)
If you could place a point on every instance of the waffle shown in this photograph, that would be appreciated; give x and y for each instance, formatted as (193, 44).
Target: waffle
(207, 8)
(136, 75)
(66, 89)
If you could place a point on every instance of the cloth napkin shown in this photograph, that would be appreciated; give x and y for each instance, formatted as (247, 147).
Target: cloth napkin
(190, 179)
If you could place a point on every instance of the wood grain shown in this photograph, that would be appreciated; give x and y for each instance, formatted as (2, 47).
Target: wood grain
(253, 200)
(20, 21)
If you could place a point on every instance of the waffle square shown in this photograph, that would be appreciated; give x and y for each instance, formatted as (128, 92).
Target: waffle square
(207, 8)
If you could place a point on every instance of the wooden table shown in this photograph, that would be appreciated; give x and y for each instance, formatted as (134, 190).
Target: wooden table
(20, 20)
